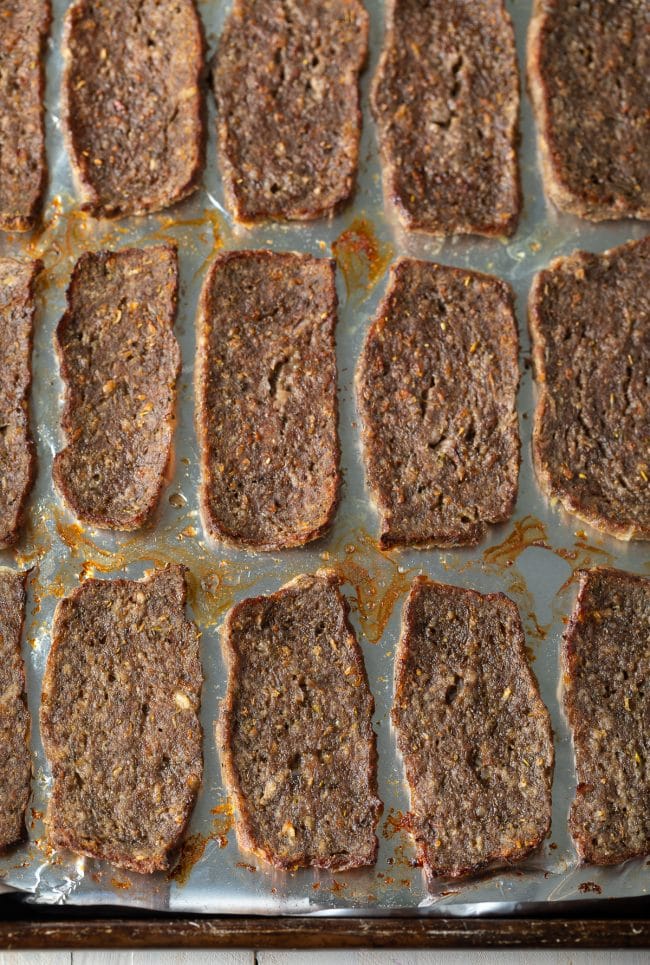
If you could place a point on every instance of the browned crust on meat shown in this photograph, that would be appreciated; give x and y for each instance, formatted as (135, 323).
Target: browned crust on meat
(23, 162)
(283, 155)
(436, 389)
(15, 758)
(17, 450)
(463, 749)
(266, 399)
(436, 85)
(582, 199)
(119, 361)
(599, 307)
(119, 719)
(134, 117)
(250, 835)
(606, 661)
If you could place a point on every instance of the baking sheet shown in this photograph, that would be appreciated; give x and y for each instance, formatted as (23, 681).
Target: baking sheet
(532, 558)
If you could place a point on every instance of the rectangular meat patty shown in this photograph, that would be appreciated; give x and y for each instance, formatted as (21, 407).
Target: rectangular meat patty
(119, 719)
(436, 388)
(588, 66)
(119, 361)
(133, 103)
(286, 82)
(297, 746)
(446, 101)
(606, 700)
(24, 28)
(15, 759)
(474, 734)
(589, 319)
(266, 399)
(17, 452)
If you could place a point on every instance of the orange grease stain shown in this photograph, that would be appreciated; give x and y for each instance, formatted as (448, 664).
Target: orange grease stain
(361, 256)
(122, 885)
(212, 584)
(377, 580)
(527, 532)
(193, 848)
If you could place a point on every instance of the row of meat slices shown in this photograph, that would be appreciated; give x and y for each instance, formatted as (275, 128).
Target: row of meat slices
(436, 389)
(120, 725)
(445, 97)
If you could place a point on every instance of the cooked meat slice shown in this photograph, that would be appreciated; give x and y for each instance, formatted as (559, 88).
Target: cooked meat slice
(446, 101)
(607, 667)
(23, 164)
(133, 103)
(590, 325)
(286, 82)
(119, 361)
(297, 745)
(15, 759)
(266, 399)
(588, 69)
(119, 719)
(436, 387)
(474, 734)
(17, 452)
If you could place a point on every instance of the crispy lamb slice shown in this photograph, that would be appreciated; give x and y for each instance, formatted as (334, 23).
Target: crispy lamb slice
(474, 734)
(286, 82)
(24, 28)
(266, 399)
(17, 453)
(297, 745)
(436, 388)
(607, 668)
(133, 103)
(120, 361)
(446, 101)
(589, 318)
(119, 719)
(587, 72)
(15, 759)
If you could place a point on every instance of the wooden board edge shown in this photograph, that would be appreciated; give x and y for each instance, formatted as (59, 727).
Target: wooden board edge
(241, 932)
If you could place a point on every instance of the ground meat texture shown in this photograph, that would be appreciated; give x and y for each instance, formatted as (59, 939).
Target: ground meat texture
(24, 27)
(17, 452)
(286, 82)
(266, 399)
(119, 719)
(119, 361)
(133, 102)
(446, 101)
(297, 746)
(590, 325)
(474, 734)
(436, 389)
(606, 700)
(588, 67)
(15, 760)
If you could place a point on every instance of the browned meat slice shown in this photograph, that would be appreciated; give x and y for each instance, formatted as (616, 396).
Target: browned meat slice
(266, 399)
(474, 733)
(24, 27)
(286, 82)
(120, 361)
(15, 760)
(297, 745)
(436, 387)
(446, 101)
(588, 69)
(607, 667)
(590, 325)
(133, 99)
(119, 718)
(17, 453)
